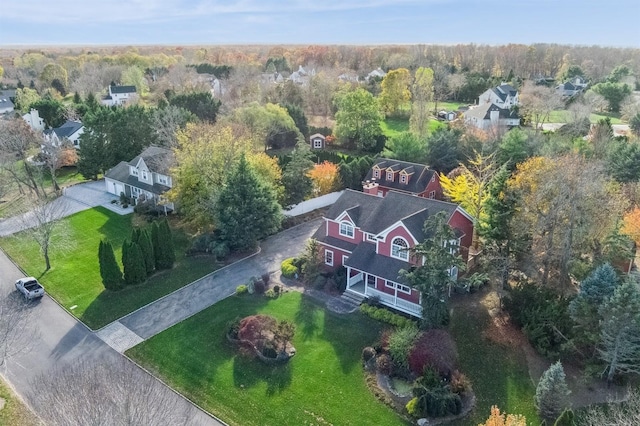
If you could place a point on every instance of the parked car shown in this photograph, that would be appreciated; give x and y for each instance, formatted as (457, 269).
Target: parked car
(30, 288)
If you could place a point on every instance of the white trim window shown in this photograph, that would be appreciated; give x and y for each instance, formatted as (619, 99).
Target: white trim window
(403, 178)
(371, 237)
(145, 175)
(403, 288)
(162, 179)
(328, 257)
(346, 229)
(376, 173)
(389, 175)
(344, 259)
(400, 249)
(317, 143)
(134, 171)
(432, 194)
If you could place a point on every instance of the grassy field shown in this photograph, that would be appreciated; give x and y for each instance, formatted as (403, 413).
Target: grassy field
(394, 126)
(498, 374)
(562, 116)
(74, 279)
(323, 384)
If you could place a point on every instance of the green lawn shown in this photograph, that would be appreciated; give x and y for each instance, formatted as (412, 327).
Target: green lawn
(322, 384)
(74, 279)
(562, 116)
(394, 126)
(15, 412)
(498, 374)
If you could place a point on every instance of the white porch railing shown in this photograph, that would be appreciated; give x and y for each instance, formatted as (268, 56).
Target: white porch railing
(396, 302)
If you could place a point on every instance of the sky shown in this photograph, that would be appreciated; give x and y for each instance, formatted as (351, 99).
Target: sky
(192, 22)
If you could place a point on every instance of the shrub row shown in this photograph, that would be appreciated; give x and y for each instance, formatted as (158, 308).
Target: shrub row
(385, 315)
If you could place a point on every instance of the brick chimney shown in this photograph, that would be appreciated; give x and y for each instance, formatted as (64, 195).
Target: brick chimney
(370, 188)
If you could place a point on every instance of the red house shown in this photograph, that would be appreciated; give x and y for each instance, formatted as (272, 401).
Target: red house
(401, 176)
(369, 235)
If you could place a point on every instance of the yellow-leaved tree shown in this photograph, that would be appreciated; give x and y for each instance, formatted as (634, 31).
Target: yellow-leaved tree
(502, 419)
(325, 177)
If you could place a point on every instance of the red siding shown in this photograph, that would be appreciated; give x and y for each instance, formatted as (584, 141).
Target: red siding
(464, 224)
(333, 230)
(337, 255)
(433, 186)
(384, 247)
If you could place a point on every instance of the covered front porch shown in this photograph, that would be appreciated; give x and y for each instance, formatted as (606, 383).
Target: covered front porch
(395, 295)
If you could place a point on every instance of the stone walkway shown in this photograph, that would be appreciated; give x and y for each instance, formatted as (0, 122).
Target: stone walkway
(119, 337)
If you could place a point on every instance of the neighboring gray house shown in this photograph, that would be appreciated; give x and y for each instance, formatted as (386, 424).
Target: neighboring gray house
(145, 178)
(504, 96)
(488, 115)
(119, 95)
(70, 131)
(6, 101)
(572, 87)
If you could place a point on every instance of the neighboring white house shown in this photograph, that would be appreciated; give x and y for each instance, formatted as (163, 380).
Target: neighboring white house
(145, 178)
(488, 115)
(572, 87)
(378, 73)
(32, 118)
(69, 131)
(504, 96)
(119, 95)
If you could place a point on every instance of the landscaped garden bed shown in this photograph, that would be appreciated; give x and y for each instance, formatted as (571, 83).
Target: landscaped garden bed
(74, 279)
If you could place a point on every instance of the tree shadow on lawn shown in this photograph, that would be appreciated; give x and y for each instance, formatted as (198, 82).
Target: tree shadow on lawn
(307, 317)
(349, 334)
(249, 372)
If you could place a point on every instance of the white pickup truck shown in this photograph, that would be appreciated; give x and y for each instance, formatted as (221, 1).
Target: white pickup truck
(30, 288)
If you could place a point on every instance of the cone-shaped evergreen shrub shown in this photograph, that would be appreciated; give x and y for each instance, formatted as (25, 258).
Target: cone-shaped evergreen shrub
(109, 268)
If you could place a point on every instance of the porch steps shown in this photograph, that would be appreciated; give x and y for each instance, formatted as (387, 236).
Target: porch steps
(353, 297)
(345, 304)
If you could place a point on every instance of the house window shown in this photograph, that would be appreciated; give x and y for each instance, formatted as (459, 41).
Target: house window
(371, 237)
(432, 194)
(376, 173)
(135, 191)
(163, 179)
(389, 175)
(389, 284)
(399, 249)
(344, 259)
(328, 257)
(371, 280)
(346, 229)
(144, 175)
(403, 178)
(433, 178)
(134, 171)
(403, 288)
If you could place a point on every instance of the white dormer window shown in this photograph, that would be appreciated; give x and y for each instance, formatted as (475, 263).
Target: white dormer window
(134, 171)
(371, 237)
(163, 179)
(399, 249)
(403, 178)
(346, 229)
(376, 173)
(145, 176)
(389, 175)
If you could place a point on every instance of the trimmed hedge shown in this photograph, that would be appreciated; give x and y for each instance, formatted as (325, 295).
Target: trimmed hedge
(288, 268)
(385, 315)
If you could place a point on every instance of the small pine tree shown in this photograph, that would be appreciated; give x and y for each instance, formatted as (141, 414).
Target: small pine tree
(169, 252)
(109, 269)
(155, 243)
(552, 392)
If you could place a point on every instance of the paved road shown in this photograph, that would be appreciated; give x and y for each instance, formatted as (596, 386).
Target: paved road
(61, 340)
(162, 314)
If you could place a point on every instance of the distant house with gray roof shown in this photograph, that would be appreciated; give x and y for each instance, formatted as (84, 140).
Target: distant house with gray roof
(488, 115)
(372, 238)
(144, 179)
(505, 96)
(119, 95)
(402, 176)
(70, 131)
(6, 101)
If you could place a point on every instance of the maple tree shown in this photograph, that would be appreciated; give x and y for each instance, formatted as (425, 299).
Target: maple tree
(325, 177)
(502, 419)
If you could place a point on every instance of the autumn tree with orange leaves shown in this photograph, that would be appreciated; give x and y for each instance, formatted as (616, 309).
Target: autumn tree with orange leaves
(631, 225)
(325, 177)
(501, 419)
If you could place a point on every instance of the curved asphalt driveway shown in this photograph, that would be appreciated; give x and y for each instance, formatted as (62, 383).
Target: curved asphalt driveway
(187, 301)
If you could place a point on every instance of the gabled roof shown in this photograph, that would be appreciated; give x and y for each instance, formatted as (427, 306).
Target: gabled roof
(505, 90)
(418, 182)
(66, 130)
(365, 258)
(317, 135)
(123, 89)
(483, 112)
(121, 173)
(376, 214)
(156, 158)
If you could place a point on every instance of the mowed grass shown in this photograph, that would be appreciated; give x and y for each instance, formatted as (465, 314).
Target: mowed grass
(322, 384)
(394, 126)
(563, 116)
(15, 412)
(74, 278)
(498, 374)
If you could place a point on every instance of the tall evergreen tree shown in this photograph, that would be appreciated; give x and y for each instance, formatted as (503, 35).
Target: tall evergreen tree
(133, 262)
(620, 330)
(552, 392)
(156, 243)
(144, 241)
(296, 183)
(109, 269)
(166, 256)
(247, 208)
